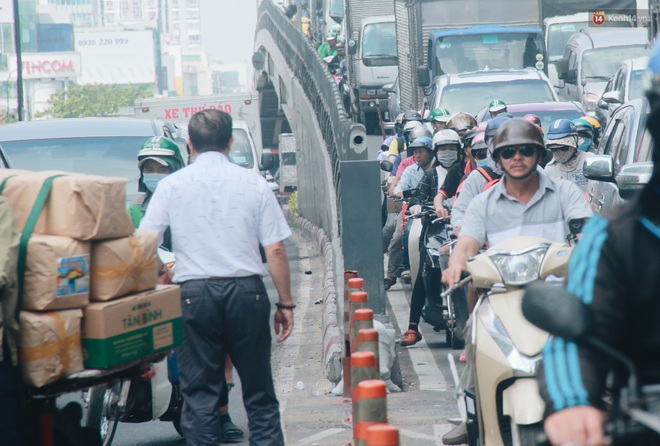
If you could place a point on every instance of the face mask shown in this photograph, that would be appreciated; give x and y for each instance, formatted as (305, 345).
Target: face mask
(586, 142)
(563, 157)
(151, 180)
(482, 163)
(447, 158)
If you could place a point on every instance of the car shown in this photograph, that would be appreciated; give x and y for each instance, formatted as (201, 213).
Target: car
(470, 91)
(592, 57)
(623, 157)
(95, 146)
(548, 112)
(627, 83)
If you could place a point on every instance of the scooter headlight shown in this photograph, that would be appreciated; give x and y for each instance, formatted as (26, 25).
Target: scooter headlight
(521, 364)
(522, 267)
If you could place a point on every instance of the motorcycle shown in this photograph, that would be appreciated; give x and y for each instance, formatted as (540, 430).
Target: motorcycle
(504, 350)
(427, 261)
(634, 410)
(156, 395)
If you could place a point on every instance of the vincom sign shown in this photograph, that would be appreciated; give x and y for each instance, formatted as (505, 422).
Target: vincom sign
(57, 66)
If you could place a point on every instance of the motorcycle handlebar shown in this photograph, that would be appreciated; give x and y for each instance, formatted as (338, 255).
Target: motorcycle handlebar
(466, 279)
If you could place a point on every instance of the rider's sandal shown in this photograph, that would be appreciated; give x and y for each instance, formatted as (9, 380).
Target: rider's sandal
(230, 385)
(230, 432)
(462, 357)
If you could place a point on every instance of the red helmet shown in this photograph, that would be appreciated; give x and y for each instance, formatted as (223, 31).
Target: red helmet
(534, 120)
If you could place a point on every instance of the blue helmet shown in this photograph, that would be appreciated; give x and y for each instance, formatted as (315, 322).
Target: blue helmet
(561, 128)
(493, 125)
(422, 142)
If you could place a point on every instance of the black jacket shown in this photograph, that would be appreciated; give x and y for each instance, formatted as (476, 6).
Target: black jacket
(615, 270)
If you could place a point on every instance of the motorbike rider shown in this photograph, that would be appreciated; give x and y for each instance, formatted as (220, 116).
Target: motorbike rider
(159, 157)
(411, 130)
(567, 161)
(496, 107)
(596, 126)
(397, 251)
(446, 145)
(525, 202)
(587, 134)
(328, 48)
(400, 144)
(439, 118)
(615, 271)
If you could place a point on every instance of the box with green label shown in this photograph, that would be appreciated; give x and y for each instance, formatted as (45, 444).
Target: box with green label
(131, 327)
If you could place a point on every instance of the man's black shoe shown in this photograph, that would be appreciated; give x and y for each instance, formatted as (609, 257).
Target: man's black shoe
(389, 281)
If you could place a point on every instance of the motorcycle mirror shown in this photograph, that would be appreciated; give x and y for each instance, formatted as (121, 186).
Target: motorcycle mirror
(410, 193)
(555, 310)
(386, 166)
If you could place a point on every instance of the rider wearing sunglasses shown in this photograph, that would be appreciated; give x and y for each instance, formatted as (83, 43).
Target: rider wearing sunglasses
(525, 202)
(563, 141)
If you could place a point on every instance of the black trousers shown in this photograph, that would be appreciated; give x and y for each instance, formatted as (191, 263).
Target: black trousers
(227, 316)
(9, 387)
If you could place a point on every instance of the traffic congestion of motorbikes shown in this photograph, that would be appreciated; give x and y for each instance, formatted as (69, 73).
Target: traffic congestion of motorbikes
(501, 334)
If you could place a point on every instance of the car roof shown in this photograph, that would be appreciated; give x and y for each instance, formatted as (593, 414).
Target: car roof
(615, 37)
(487, 76)
(80, 127)
(639, 63)
(531, 107)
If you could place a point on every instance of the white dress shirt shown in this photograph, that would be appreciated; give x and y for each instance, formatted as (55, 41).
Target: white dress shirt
(218, 213)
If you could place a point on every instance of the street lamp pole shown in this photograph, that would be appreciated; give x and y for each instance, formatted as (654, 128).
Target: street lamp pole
(19, 60)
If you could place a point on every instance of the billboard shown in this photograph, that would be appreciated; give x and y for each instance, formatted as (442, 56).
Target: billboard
(116, 57)
(6, 11)
(60, 66)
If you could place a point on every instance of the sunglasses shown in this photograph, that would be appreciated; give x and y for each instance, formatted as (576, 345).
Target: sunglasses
(479, 154)
(509, 152)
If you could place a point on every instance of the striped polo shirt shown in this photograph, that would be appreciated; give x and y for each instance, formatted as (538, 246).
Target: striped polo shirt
(494, 216)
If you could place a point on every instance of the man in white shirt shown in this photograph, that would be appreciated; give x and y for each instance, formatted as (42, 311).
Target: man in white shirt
(218, 214)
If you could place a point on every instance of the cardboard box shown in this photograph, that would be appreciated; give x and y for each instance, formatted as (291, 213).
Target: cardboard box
(56, 273)
(131, 327)
(50, 346)
(124, 265)
(83, 207)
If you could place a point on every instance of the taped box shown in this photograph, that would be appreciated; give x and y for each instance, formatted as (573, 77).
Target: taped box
(56, 273)
(125, 265)
(50, 346)
(131, 327)
(83, 207)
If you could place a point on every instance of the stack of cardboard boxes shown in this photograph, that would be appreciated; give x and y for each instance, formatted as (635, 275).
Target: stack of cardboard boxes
(89, 296)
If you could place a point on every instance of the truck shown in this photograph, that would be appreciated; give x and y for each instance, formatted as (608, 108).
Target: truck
(436, 37)
(370, 32)
(247, 149)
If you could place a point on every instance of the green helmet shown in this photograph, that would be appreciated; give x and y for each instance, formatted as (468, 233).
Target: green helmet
(496, 105)
(162, 150)
(440, 114)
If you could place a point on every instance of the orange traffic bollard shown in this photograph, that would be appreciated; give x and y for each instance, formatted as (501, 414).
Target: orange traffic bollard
(382, 435)
(367, 341)
(372, 408)
(354, 284)
(362, 318)
(363, 368)
(348, 276)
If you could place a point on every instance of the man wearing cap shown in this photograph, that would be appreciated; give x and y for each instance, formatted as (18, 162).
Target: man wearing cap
(496, 107)
(439, 118)
(567, 161)
(328, 48)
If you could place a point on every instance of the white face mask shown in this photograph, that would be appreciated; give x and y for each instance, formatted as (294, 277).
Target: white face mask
(151, 180)
(446, 158)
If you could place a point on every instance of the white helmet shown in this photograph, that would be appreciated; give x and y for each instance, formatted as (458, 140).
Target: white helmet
(446, 136)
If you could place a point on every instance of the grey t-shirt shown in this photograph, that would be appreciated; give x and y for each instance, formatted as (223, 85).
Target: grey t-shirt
(495, 216)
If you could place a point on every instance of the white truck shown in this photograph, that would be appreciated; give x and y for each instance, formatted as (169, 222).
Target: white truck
(370, 32)
(247, 149)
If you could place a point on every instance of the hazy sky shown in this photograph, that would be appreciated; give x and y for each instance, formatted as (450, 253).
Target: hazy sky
(228, 29)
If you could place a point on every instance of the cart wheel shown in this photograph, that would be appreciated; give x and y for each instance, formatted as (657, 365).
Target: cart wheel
(104, 410)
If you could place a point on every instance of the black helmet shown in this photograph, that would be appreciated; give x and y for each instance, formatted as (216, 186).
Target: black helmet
(516, 132)
(412, 115)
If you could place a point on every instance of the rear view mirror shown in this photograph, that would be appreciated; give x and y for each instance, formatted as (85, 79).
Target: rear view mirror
(575, 225)
(555, 310)
(410, 193)
(599, 168)
(267, 161)
(612, 97)
(352, 47)
(571, 76)
(633, 177)
(386, 166)
(423, 76)
(562, 67)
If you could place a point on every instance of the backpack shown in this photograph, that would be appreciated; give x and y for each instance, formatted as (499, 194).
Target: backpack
(491, 179)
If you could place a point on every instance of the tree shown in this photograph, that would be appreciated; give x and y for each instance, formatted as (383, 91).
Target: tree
(94, 100)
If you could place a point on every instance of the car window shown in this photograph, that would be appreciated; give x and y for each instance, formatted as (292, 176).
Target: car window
(621, 138)
(618, 81)
(645, 148)
(637, 85)
(605, 147)
(571, 60)
(241, 152)
(471, 97)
